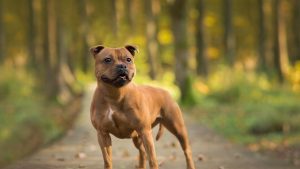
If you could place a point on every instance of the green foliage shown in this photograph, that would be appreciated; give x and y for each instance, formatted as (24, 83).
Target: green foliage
(83, 78)
(166, 82)
(190, 96)
(246, 107)
(25, 121)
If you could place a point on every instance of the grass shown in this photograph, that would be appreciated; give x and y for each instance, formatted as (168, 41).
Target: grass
(249, 109)
(27, 119)
(246, 107)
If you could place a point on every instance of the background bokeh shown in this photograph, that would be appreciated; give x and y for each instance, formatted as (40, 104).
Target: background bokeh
(232, 64)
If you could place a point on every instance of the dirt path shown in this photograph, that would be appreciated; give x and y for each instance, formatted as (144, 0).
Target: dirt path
(79, 149)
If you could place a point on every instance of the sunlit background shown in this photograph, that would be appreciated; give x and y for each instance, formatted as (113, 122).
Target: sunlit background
(234, 65)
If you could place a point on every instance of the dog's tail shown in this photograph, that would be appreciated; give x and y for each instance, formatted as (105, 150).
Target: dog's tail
(160, 131)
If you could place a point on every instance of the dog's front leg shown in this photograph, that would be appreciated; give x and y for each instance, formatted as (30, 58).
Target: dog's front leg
(105, 145)
(146, 135)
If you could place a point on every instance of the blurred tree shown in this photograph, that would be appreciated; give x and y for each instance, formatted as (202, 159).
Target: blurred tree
(128, 14)
(31, 35)
(45, 41)
(53, 84)
(297, 32)
(201, 57)
(114, 19)
(229, 40)
(261, 37)
(181, 51)
(2, 32)
(295, 45)
(269, 37)
(284, 59)
(151, 36)
(84, 34)
(65, 76)
(276, 42)
(50, 61)
(48, 31)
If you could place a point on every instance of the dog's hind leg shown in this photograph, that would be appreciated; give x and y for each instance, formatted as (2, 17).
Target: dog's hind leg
(142, 153)
(173, 121)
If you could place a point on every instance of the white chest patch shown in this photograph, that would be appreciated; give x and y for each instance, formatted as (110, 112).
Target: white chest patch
(110, 113)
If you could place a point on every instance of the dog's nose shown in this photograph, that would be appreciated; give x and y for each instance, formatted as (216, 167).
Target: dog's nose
(121, 66)
(121, 69)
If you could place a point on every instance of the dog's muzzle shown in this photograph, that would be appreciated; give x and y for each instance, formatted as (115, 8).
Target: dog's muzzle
(121, 78)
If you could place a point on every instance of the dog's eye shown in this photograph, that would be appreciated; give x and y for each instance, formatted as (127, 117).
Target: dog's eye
(107, 60)
(128, 60)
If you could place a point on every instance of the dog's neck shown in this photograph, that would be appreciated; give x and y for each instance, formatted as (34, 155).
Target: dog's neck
(114, 93)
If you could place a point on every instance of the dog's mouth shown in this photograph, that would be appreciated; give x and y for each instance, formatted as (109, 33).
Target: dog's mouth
(120, 80)
(122, 76)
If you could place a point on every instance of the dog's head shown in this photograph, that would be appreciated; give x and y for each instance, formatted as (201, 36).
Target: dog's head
(114, 66)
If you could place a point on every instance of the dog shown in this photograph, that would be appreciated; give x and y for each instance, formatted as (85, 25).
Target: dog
(126, 110)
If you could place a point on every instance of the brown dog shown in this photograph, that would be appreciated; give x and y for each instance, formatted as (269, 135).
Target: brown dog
(126, 110)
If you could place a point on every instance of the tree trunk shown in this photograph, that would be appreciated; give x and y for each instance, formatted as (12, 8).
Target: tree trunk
(179, 30)
(65, 77)
(276, 45)
(229, 40)
(261, 37)
(31, 35)
(151, 38)
(201, 57)
(2, 33)
(114, 19)
(84, 36)
(295, 52)
(284, 60)
(297, 21)
(128, 14)
(46, 57)
(50, 82)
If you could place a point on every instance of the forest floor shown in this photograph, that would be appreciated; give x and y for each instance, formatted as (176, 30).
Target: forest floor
(79, 149)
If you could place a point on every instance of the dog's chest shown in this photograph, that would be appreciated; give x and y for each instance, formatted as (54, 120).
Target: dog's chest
(109, 115)
(118, 123)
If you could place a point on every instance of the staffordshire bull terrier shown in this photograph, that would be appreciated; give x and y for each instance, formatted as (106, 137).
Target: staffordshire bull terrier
(126, 110)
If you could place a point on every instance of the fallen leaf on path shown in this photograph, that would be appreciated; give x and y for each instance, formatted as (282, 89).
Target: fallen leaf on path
(174, 144)
(173, 157)
(201, 157)
(80, 155)
(237, 156)
(60, 159)
(125, 153)
(161, 163)
(253, 147)
(81, 166)
(92, 148)
(268, 144)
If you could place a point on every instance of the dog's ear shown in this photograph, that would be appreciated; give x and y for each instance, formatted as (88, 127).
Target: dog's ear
(96, 49)
(132, 49)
